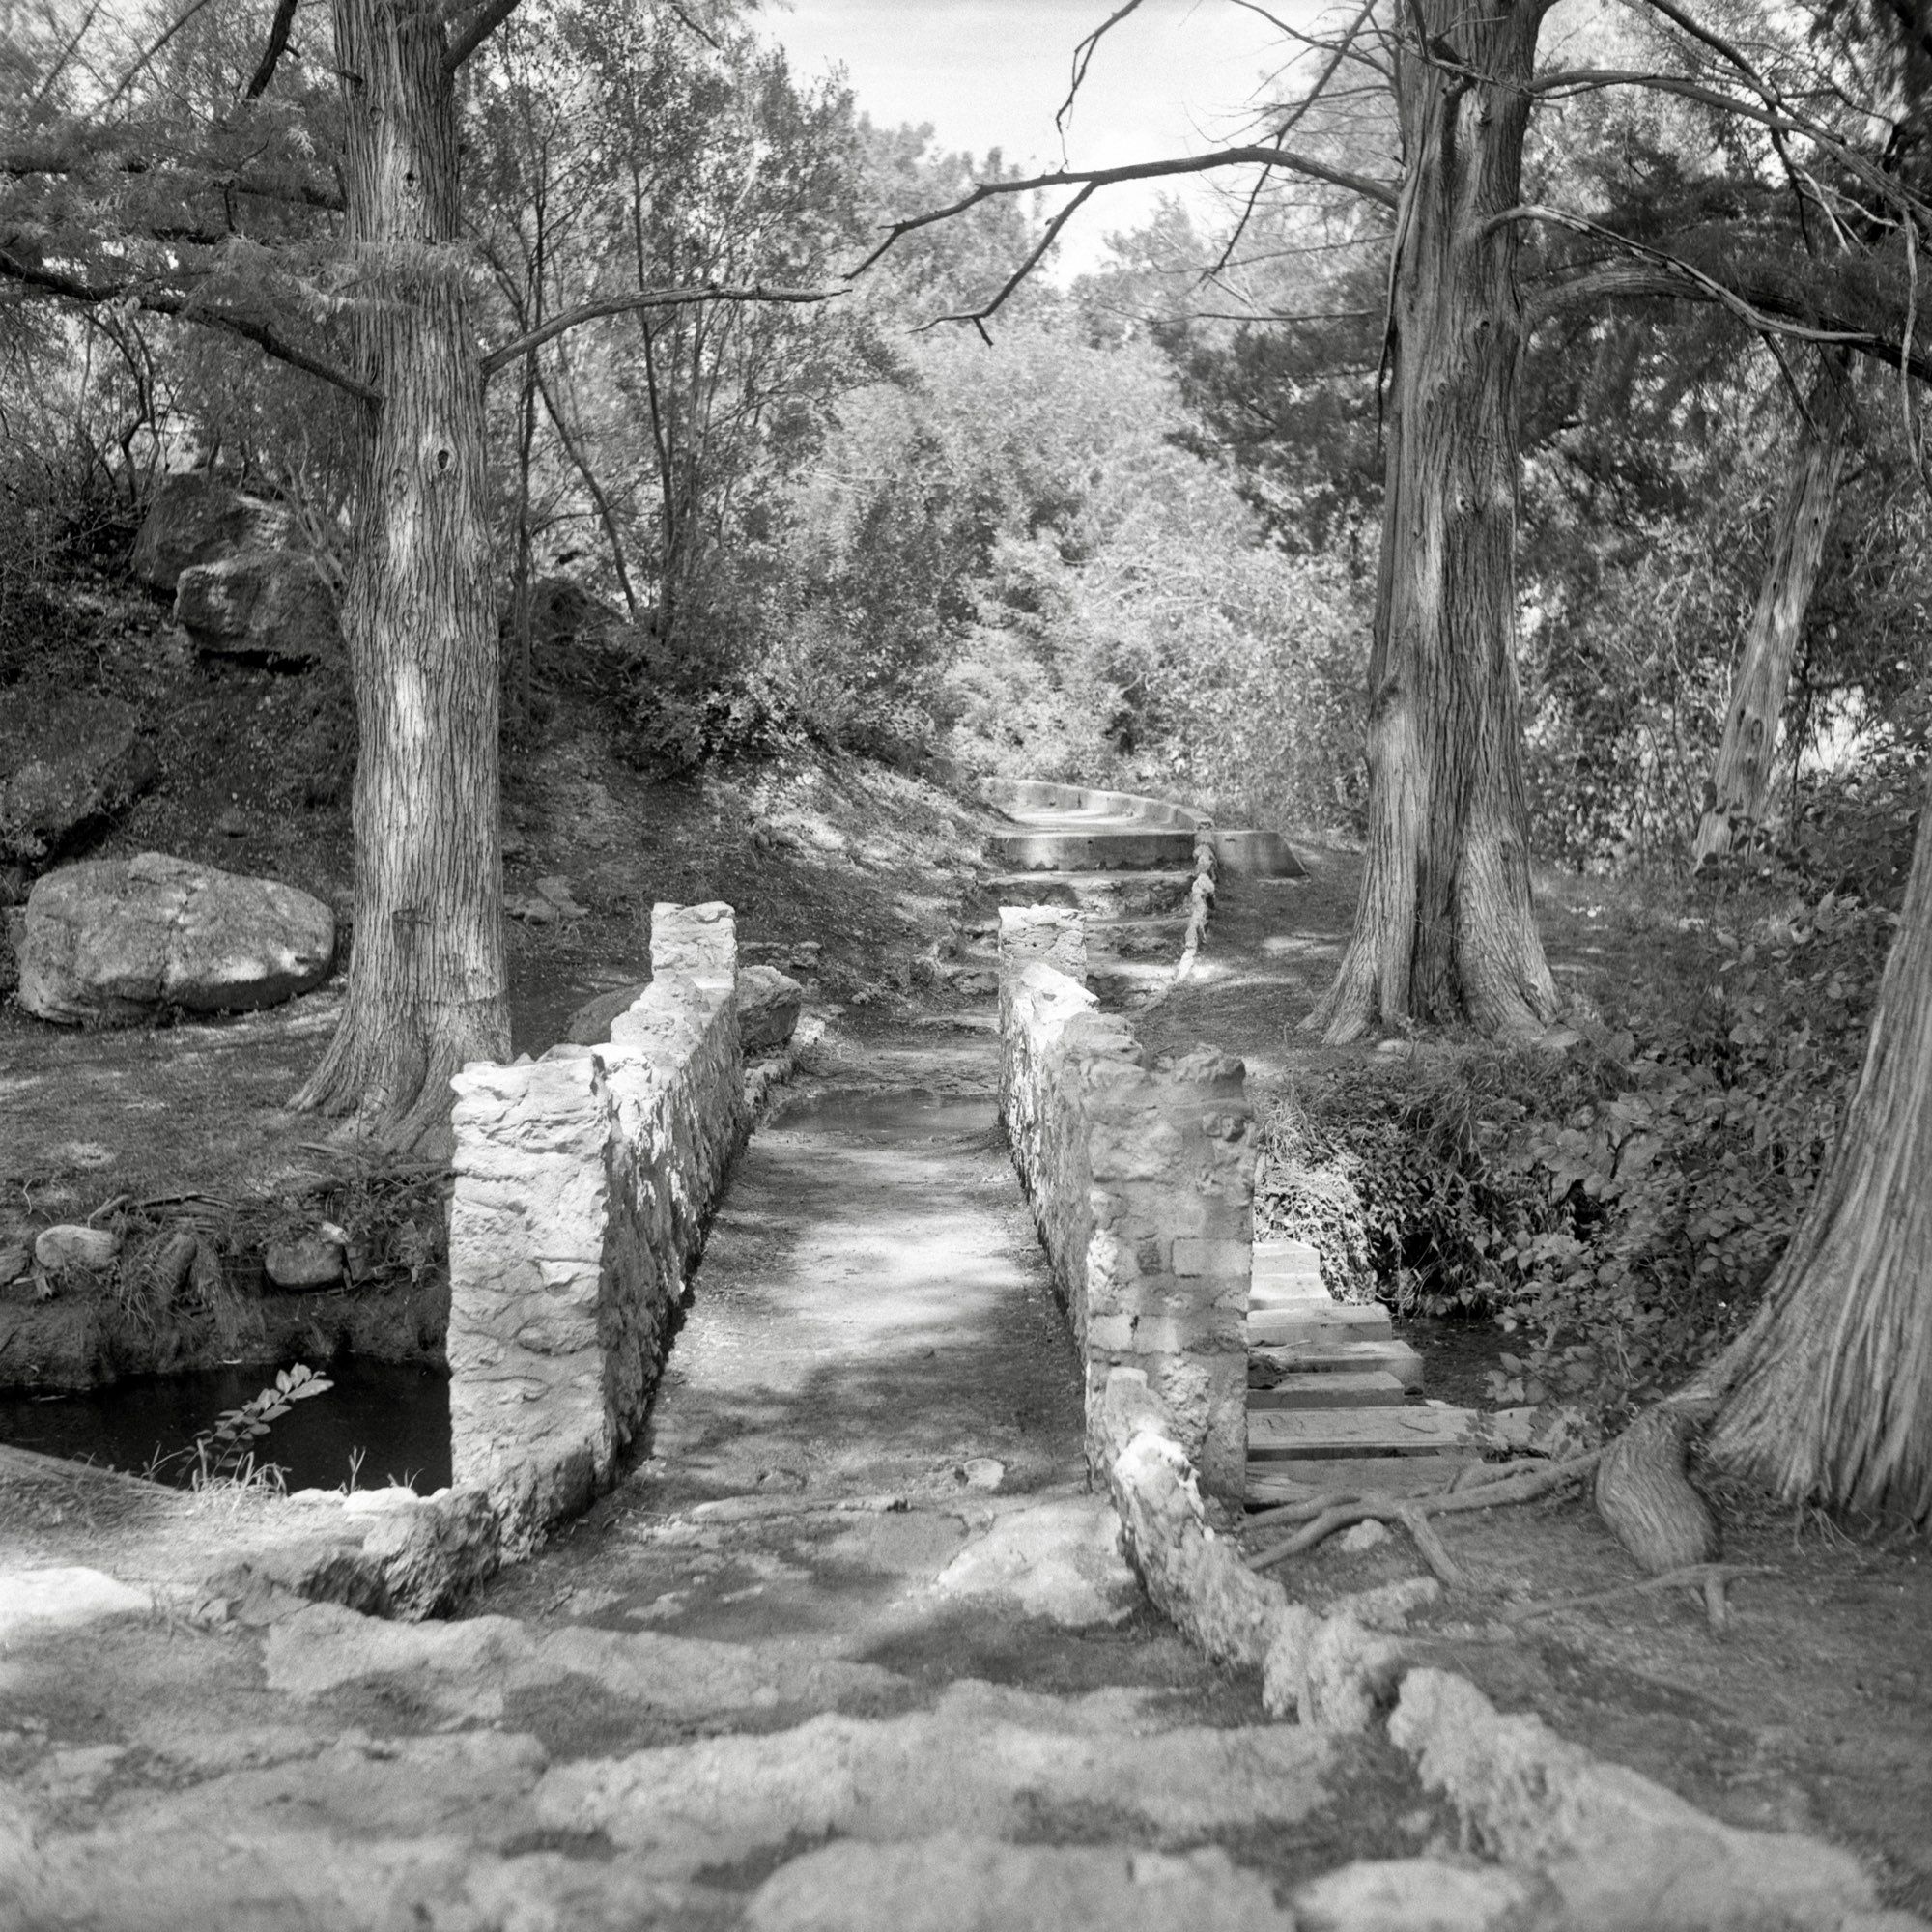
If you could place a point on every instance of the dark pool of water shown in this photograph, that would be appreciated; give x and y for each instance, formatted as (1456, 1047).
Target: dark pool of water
(398, 1416)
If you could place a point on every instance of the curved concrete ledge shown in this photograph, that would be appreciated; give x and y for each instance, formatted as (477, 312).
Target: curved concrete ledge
(1111, 830)
(1045, 795)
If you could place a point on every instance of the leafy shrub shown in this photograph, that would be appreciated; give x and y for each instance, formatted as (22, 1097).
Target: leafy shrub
(1620, 1206)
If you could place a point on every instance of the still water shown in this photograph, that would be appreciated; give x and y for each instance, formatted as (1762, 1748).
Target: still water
(397, 1415)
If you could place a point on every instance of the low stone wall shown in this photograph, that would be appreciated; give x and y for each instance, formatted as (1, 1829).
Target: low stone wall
(583, 1185)
(1141, 1181)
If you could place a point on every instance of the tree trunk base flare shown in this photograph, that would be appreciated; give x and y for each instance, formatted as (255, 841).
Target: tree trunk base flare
(1646, 1499)
(1445, 930)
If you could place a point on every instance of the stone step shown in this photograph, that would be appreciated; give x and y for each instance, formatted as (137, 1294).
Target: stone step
(1342, 1388)
(1269, 1366)
(1108, 847)
(1309, 1322)
(1310, 1297)
(1276, 1434)
(1099, 894)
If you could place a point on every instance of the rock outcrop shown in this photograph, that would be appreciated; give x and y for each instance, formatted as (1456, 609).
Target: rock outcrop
(69, 760)
(266, 605)
(195, 518)
(111, 942)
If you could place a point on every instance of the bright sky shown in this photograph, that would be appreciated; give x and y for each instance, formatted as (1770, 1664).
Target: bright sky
(1171, 79)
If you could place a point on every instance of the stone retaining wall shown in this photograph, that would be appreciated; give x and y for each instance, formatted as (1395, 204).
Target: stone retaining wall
(583, 1185)
(1141, 1181)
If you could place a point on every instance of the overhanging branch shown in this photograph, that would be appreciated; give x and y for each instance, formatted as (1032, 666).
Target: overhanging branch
(1653, 274)
(477, 29)
(1087, 180)
(606, 306)
(162, 302)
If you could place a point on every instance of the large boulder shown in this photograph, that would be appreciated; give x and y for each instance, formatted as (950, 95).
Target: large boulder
(196, 519)
(69, 760)
(768, 1007)
(591, 1023)
(114, 941)
(266, 606)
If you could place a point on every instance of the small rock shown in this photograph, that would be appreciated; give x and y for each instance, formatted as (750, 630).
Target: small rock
(514, 843)
(312, 1262)
(533, 912)
(983, 1472)
(67, 1244)
(1365, 1536)
(556, 892)
(13, 1260)
(232, 824)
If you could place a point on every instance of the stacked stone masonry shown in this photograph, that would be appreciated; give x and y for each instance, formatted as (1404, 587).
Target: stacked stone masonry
(1141, 1181)
(584, 1181)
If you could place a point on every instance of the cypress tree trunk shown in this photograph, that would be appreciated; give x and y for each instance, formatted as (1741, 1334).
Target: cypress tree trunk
(1741, 778)
(1444, 929)
(1831, 1395)
(426, 975)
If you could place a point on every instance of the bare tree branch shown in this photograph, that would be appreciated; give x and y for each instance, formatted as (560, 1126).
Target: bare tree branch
(272, 55)
(644, 298)
(162, 302)
(1284, 158)
(58, 66)
(1083, 57)
(478, 28)
(128, 78)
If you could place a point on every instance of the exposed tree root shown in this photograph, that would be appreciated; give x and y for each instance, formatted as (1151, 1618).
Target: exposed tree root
(1646, 1499)
(1711, 1579)
(1322, 1517)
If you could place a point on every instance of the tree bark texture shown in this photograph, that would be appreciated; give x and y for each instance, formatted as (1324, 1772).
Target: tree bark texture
(1832, 1401)
(426, 976)
(1741, 778)
(1444, 929)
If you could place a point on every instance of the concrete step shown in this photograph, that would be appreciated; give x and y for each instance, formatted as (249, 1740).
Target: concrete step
(1310, 1297)
(1279, 1435)
(1269, 1366)
(1121, 894)
(1307, 1322)
(1341, 1388)
(1103, 847)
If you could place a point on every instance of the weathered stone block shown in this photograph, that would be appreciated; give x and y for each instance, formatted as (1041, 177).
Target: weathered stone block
(584, 1181)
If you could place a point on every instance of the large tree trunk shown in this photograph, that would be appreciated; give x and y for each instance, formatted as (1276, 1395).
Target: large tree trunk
(1831, 1398)
(1444, 929)
(426, 977)
(1741, 778)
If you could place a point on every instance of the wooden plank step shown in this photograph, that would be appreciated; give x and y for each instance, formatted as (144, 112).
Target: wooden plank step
(1344, 1388)
(1267, 1366)
(1306, 1323)
(1276, 1434)
(1272, 1483)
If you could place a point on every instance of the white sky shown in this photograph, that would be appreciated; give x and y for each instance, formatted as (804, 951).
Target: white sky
(1171, 79)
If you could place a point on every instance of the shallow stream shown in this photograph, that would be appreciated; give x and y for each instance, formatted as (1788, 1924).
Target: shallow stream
(380, 1422)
